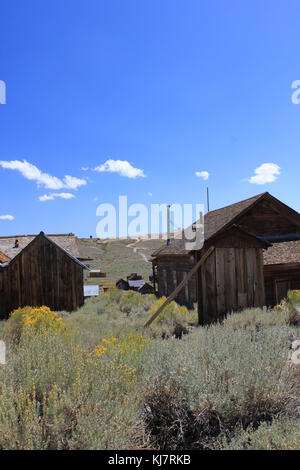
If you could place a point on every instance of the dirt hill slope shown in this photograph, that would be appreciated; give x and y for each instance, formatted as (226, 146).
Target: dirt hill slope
(118, 258)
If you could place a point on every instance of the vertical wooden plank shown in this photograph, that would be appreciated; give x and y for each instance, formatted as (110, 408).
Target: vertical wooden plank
(165, 282)
(230, 280)
(241, 278)
(200, 290)
(261, 295)
(250, 269)
(211, 304)
(202, 280)
(220, 282)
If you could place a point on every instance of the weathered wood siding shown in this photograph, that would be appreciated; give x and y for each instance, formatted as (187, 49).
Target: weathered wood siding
(42, 274)
(274, 273)
(170, 273)
(231, 279)
(264, 220)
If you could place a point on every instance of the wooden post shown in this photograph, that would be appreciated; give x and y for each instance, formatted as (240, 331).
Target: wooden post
(181, 285)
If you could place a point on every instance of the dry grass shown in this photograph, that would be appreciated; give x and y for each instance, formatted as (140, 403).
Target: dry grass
(108, 384)
(117, 259)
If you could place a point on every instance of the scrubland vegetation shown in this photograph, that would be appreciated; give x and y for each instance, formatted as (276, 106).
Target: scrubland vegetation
(118, 258)
(95, 379)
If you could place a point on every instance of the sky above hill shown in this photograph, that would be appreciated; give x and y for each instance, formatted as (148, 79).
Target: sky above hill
(155, 100)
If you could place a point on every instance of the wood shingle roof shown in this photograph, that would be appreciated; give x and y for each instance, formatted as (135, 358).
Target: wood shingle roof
(214, 222)
(65, 241)
(283, 253)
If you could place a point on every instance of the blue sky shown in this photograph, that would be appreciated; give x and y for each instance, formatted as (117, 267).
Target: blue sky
(171, 87)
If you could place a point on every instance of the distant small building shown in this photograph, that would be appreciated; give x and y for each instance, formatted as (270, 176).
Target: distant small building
(97, 273)
(136, 284)
(134, 277)
(146, 289)
(122, 284)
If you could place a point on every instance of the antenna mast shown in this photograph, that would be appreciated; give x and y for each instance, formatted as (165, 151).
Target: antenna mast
(207, 198)
(168, 225)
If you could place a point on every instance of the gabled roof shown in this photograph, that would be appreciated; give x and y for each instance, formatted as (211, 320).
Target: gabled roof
(65, 241)
(84, 266)
(136, 283)
(236, 229)
(217, 221)
(41, 234)
(3, 258)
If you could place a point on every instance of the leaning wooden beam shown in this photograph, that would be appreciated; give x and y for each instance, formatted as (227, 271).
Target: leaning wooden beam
(181, 285)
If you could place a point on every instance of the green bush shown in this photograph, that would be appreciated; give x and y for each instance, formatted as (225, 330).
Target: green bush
(282, 434)
(290, 307)
(40, 319)
(241, 376)
(54, 395)
(255, 319)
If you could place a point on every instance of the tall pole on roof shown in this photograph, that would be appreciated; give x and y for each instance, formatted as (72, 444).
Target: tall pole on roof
(207, 198)
(168, 225)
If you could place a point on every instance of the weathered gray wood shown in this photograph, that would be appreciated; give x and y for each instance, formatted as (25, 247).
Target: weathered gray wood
(41, 274)
(181, 285)
(220, 282)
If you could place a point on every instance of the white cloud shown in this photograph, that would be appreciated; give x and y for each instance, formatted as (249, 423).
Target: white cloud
(33, 173)
(122, 167)
(150, 194)
(202, 174)
(6, 217)
(84, 168)
(266, 173)
(52, 196)
(71, 182)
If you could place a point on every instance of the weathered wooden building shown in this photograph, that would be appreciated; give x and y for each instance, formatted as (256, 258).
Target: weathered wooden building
(281, 270)
(253, 263)
(11, 245)
(42, 273)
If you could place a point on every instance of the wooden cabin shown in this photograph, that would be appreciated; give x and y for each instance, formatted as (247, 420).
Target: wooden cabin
(11, 245)
(232, 277)
(122, 284)
(254, 262)
(146, 289)
(281, 270)
(42, 273)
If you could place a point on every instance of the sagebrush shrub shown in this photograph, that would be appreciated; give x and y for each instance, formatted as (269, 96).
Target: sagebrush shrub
(55, 395)
(290, 307)
(38, 318)
(282, 434)
(108, 383)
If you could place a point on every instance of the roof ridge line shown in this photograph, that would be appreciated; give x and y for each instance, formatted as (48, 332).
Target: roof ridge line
(238, 202)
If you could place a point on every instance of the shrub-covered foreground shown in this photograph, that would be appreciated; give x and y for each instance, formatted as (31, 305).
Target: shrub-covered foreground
(96, 379)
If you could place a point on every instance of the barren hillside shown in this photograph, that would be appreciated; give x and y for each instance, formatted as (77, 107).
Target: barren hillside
(118, 258)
